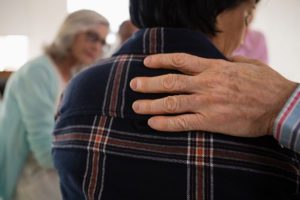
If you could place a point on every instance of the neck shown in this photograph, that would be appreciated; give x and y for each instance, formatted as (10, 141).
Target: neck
(222, 46)
(65, 67)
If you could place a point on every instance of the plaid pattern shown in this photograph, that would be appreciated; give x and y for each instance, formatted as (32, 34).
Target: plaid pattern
(103, 150)
(287, 124)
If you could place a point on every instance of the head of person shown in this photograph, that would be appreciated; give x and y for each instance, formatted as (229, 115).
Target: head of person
(126, 29)
(223, 21)
(80, 38)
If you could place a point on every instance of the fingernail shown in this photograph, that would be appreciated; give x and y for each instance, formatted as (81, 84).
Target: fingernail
(147, 60)
(135, 106)
(133, 84)
(151, 122)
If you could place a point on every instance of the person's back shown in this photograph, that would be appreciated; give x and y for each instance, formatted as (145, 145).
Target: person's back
(103, 150)
(102, 144)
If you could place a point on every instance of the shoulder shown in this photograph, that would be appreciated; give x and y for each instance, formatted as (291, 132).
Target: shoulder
(40, 68)
(92, 89)
(86, 90)
(37, 74)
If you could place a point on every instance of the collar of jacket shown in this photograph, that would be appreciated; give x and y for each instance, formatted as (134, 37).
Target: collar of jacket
(170, 40)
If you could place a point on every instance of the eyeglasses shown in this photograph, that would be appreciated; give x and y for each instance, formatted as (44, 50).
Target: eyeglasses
(94, 37)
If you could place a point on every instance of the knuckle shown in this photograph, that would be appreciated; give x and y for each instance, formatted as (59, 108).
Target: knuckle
(198, 99)
(178, 59)
(175, 82)
(208, 99)
(170, 104)
(197, 122)
(181, 124)
(169, 81)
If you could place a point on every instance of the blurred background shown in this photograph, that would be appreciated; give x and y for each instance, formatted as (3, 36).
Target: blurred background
(27, 25)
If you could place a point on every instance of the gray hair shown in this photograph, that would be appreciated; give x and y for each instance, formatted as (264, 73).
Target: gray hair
(76, 22)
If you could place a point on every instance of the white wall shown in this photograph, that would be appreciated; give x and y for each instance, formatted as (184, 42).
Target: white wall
(13, 15)
(280, 21)
(116, 11)
(38, 19)
(45, 17)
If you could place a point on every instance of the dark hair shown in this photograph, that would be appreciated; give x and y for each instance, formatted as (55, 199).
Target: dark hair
(192, 14)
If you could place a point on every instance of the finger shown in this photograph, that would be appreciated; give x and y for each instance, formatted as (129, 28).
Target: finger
(169, 83)
(168, 105)
(185, 63)
(186, 122)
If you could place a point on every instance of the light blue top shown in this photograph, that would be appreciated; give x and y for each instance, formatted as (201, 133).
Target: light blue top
(27, 120)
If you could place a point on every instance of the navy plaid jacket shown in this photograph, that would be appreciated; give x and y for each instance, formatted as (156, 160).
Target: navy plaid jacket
(103, 150)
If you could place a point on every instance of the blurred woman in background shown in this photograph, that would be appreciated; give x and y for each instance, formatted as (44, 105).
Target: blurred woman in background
(29, 105)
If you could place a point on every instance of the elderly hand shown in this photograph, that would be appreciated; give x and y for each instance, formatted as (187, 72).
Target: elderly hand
(239, 98)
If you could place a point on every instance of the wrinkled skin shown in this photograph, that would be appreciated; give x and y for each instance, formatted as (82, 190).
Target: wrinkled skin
(241, 97)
